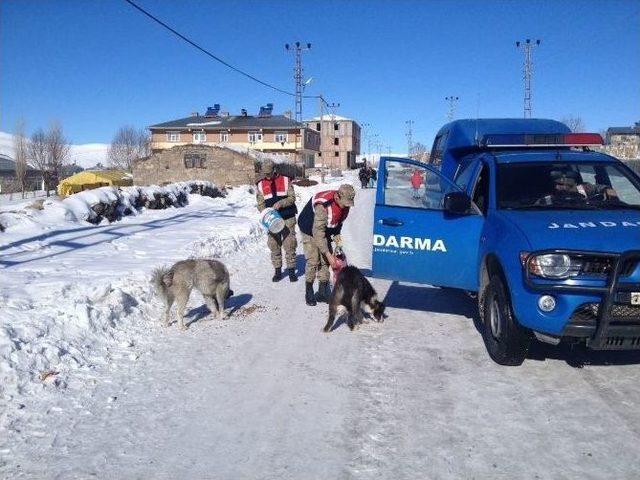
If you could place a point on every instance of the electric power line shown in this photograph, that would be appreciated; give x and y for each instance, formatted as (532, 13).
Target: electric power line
(208, 53)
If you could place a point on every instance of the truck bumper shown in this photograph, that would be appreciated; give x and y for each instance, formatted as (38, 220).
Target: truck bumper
(610, 323)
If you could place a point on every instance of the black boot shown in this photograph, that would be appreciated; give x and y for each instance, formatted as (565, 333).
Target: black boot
(277, 276)
(292, 274)
(323, 292)
(309, 296)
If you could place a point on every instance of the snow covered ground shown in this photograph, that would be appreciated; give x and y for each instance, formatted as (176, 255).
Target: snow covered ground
(94, 387)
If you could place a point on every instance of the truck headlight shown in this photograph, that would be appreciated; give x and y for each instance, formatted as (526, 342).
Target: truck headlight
(553, 265)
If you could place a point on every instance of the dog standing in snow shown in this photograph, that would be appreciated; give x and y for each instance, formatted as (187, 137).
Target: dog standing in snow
(209, 277)
(353, 291)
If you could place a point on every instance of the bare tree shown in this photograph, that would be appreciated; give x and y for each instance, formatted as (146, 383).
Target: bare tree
(49, 153)
(576, 124)
(57, 152)
(419, 152)
(39, 157)
(127, 145)
(20, 145)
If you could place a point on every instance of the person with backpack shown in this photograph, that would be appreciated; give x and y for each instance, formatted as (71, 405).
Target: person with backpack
(321, 223)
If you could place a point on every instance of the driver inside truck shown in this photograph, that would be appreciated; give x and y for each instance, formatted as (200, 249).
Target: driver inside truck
(568, 184)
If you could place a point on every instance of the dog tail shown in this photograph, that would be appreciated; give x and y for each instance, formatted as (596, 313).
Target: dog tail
(161, 279)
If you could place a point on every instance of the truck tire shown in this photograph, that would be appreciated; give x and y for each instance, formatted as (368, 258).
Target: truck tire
(506, 341)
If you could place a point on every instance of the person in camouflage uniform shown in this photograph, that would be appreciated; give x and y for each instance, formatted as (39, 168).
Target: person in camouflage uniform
(276, 191)
(321, 223)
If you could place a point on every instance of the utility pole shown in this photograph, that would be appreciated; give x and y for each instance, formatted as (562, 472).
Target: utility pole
(365, 132)
(452, 106)
(409, 136)
(297, 49)
(369, 139)
(528, 47)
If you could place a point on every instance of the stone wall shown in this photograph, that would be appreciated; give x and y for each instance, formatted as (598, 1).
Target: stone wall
(221, 166)
(624, 147)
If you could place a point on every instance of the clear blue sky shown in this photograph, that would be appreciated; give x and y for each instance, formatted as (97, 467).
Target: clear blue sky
(95, 65)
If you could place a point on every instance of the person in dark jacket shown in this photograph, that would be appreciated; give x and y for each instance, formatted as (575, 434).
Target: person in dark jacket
(276, 191)
(321, 223)
(363, 175)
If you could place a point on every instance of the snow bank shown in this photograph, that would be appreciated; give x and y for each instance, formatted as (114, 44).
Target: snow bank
(108, 203)
(72, 300)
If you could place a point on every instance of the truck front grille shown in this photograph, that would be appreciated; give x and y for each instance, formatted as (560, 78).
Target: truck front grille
(603, 266)
(588, 313)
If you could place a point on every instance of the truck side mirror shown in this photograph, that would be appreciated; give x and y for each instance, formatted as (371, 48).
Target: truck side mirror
(457, 203)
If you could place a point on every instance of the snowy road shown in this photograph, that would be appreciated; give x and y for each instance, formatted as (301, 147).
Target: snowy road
(266, 395)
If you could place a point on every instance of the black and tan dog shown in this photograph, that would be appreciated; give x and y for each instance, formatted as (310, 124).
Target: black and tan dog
(352, 290)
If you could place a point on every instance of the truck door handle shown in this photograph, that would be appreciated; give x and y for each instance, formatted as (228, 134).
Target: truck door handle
(391, 222)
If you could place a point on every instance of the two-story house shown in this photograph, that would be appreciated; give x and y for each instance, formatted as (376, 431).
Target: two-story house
(340, 141)
(263, 132)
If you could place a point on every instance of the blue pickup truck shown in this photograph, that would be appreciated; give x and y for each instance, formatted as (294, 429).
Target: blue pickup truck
(524, 214)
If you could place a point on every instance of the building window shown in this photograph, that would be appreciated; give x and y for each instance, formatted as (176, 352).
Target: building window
(336, 126)
(318, 126)
(335, 141)
(173, 136)
(199, 137)
(319, 154)
(193, 160)
(255, 137)
(224, 136)
(336, 154)
(281, 137)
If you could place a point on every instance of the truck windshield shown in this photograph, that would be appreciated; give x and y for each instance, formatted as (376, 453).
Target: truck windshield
(566, 185)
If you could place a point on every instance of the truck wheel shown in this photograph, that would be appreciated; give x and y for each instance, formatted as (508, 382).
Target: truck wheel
(507, 342)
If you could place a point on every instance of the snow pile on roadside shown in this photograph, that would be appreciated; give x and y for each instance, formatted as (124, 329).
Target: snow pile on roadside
(105, 202)
(62, 316)
(72, 329)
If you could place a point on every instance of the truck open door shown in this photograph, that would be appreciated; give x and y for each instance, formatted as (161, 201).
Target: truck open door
(416, 237)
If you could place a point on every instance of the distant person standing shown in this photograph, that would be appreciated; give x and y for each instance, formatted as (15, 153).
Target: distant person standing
(363, 175)
(276, 191)
(321, 223)
(373, 176)
(416, 182)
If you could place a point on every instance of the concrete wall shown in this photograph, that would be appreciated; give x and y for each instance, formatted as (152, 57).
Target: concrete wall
(624, 147)
(221, 166)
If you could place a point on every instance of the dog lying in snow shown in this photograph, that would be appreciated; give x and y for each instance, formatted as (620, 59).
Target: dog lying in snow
(352, 290)
(209, 277)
